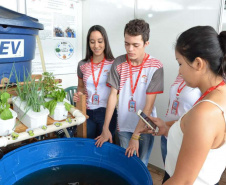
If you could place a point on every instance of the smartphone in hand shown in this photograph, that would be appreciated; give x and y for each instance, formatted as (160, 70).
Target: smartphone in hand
(147, 120)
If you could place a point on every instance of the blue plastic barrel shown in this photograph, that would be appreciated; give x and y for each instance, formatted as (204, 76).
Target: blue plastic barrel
(56, 152)
(17, 43)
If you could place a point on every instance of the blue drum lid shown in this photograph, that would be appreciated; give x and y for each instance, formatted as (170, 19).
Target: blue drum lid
(12, 18)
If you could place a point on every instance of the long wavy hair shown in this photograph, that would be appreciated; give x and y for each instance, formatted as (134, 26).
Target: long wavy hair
(107, 51)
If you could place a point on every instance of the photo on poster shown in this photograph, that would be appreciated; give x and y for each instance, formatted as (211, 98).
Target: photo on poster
(68, 32)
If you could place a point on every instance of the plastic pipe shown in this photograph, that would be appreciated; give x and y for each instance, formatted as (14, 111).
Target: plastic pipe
(79, 119)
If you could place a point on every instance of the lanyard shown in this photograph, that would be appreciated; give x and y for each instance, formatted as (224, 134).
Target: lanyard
(180, 88)
(96, 82)
(209, 90)
(130, 72)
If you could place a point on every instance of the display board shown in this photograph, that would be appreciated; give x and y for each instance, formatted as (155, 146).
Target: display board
(61, 38)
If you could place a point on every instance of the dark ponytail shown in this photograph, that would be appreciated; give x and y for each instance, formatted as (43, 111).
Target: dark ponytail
(222, 40)
(204, 42)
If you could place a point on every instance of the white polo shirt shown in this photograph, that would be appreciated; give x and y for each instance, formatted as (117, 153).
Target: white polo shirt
(84, 72)
(150, 82)
(187, 97)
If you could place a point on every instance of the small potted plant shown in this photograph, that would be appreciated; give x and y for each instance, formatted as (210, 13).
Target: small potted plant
(7, 115)
(56, 102)
(29, 104)
(49, 83)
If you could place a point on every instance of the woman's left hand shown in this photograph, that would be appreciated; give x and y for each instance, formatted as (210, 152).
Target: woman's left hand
(162, 127)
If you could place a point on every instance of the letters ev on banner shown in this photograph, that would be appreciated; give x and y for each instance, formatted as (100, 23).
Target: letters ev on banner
(11, 48)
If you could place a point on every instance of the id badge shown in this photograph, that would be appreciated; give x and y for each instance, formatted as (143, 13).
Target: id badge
(95, 99)
(132, 106)
(175, 106)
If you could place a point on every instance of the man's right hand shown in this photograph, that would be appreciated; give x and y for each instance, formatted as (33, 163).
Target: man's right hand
(76, 96)
(105, 136)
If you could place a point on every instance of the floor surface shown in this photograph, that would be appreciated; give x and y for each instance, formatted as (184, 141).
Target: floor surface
(158, 174)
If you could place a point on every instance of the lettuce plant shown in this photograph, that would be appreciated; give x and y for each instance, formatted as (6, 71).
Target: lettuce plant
(53, 91)
(56, 96)
(5, 113)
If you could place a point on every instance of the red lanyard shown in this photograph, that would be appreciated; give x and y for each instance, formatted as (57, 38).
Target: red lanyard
(209, 90)
(180, 88)
(130, 72)
(96, 82)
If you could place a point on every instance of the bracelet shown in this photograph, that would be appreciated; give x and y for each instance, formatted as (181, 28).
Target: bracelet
(134, 137)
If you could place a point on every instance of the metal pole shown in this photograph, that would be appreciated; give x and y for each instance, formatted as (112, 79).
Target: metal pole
(221, 14)
(135, 9)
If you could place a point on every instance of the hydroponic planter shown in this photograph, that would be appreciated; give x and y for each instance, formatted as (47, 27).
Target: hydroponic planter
(27, 116)
(7, 126)
(60, 113)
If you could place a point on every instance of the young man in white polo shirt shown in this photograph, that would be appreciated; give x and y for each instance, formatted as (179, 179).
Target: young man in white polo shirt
(137, 78)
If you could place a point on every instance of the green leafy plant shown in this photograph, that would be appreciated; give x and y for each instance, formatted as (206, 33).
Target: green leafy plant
(5, 113)
(44, 127)
(22, 90)
(14, 135)
(32, 92)
(31, 133)
(49, 83)
(56, 96)
(52, 90)
(58, 124)
(35, 98)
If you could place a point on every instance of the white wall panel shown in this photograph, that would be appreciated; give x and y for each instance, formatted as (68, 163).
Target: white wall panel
(10, 4)
(113, 16)
(167, 19)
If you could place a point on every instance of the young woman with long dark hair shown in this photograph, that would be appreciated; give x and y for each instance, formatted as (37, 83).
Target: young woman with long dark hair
(92, 73)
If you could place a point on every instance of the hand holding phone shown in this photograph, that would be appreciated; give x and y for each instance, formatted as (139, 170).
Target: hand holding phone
(147, 120)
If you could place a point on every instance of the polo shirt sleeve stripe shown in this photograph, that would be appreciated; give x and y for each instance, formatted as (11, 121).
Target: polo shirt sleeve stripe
(158, 92)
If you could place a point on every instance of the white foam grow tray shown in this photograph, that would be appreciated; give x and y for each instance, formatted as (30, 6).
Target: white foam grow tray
(60, 113)
(30, 118)
(7, 126)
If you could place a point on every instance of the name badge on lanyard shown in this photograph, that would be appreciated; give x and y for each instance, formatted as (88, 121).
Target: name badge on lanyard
(96, 97)
(175, 105)
(174, 109)
(132, 103)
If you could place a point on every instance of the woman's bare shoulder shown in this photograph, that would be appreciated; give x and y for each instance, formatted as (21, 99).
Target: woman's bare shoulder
(204, 114)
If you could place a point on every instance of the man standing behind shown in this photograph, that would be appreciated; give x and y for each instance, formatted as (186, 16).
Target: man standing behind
(137, 78)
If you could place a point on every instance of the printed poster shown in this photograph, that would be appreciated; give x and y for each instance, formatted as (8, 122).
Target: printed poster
(61, 38)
